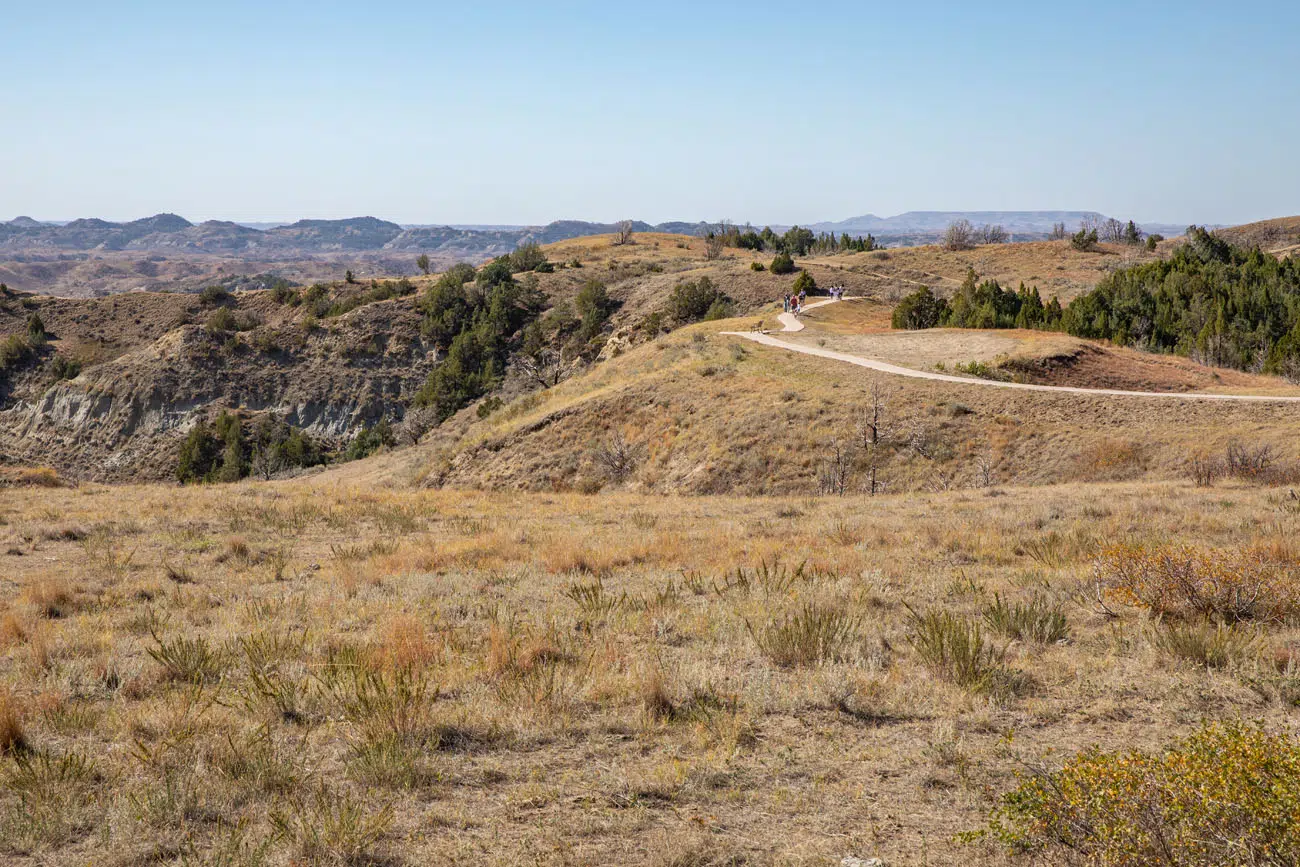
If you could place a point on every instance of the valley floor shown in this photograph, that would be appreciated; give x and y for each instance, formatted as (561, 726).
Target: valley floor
(317, 672)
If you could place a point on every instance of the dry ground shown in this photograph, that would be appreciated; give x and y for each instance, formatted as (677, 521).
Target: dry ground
(417, 677)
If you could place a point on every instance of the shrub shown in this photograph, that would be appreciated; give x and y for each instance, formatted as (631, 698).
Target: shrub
(1226, 795)
(14, 350)
(1036, 620)
(370, 440)
(693, 300)
(226, 320)
(527, 257)
(188, 660)
(1203, 469)
(955, 649)
(782, 263)
(1084, 240)
(757, 266)
(921, 309)
(810, 636)
(64, 367)
(805, 283)
(1183, 581)
(214, 296)
(333, 828)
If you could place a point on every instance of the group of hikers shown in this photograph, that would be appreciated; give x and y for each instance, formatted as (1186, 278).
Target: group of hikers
(795, 303)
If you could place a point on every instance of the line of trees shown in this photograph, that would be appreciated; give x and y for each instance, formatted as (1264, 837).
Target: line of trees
(227, 450)
(1210, 301)
(963, 235)
(979, 305)
(796, 241)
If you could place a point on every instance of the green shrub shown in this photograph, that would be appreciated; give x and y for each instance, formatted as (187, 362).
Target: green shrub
(757, 266)
(14, 350)
(283, 293)
(64, 367)
(805, 283)
(527, 257)
(370, 440)
(1084, 240)
(921, 309)
(693, 300)
(1226, 795)
(782, 263)
(213, 296)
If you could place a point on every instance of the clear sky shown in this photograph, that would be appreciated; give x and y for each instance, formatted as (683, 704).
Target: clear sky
(523, 112)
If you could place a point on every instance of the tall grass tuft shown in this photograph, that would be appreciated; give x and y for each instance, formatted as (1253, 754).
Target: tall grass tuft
(1209, 645)
(1036, 620)
(810, 636)
(956, 649)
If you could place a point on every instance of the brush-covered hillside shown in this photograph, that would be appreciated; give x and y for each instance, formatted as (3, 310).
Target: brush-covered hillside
(524, 372)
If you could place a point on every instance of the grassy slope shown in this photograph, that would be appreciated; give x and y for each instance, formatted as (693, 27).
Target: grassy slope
(646, 731)
(717, 414)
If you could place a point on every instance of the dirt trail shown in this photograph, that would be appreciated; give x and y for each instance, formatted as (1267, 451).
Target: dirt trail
(791, 323)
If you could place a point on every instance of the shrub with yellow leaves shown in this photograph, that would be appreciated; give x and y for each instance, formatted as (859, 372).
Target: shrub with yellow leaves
(1226, 795)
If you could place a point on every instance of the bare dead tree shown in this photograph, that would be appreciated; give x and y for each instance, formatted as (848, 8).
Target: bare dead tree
(836, 469)
(713, 245)
(873, 435)
(624, 233)
(417, 422)
(619, 456)
(984, 468)
(960, 235)
(992, 234)
(1112, 231)
(545, 367)
(266, 463)
(1058, 232)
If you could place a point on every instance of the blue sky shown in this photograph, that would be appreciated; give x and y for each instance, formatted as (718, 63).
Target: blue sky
(527, 112)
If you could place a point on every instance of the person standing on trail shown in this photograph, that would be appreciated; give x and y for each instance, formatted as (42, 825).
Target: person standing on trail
(803, 297)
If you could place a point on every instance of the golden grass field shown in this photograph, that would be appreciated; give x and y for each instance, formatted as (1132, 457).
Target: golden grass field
(316, 672)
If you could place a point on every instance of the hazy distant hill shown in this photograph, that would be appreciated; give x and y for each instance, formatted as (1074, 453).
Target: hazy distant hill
(170, 233)
(933, 223)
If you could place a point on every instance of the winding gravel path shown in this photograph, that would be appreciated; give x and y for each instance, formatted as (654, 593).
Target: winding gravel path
(791, 323)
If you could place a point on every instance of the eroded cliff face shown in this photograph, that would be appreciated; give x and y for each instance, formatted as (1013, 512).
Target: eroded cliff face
(124, 419)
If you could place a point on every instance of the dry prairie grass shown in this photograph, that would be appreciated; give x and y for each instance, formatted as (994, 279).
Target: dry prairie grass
(460, 677)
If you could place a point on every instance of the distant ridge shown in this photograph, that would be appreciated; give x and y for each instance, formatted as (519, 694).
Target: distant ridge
(935, 222)
(171, 233)
(174, 234)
